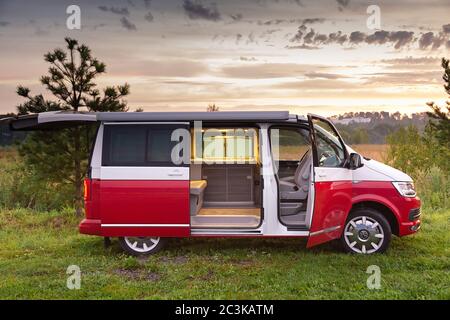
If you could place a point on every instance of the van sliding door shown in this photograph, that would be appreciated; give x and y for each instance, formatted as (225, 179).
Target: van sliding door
(144, 179)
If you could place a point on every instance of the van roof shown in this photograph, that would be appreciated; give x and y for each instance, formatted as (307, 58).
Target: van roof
(60, 119)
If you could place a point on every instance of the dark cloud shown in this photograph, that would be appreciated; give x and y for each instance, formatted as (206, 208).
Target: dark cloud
(290, 21)
(4, 23)
(196, 10)
(236, 17)
(398, 39)
(426, 40)
(127, 24)
(149, 17)
(446, 28)
(401, 38)
(342, 4)
(147, 3)
(357, 37)
(303, 47)
(238, 38)
(120, 11)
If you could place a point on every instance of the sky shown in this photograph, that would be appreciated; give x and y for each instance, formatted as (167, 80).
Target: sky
(320, 56)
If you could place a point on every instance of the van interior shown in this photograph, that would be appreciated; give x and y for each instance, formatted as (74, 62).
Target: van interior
(225, 182)
(225, 178)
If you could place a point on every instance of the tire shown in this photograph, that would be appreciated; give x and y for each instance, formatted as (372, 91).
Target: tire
(142, 246)
(366, 231)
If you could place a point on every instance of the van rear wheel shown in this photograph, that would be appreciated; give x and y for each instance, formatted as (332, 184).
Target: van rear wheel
(141, 246)
(366, 232)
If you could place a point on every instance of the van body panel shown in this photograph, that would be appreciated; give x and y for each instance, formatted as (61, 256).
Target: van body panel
(154, 207)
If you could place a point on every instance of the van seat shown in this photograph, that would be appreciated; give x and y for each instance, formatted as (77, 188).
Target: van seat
(197, 189)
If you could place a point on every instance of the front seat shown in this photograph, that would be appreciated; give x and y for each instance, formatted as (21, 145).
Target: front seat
(297, 187)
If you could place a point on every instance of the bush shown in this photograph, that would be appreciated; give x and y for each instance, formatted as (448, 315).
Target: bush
(433, 187)
(425, 160)
(20, 187)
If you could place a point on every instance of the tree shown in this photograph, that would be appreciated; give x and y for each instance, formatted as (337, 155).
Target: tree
(212, 108)
(61, 157)
(440, 119)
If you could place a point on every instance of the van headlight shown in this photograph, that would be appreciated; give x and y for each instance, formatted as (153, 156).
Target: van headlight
(406, 189)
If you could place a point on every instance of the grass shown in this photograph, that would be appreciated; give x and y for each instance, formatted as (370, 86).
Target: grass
(373, 151)
(38, 247)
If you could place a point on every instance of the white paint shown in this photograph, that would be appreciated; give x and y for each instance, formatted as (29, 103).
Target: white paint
(144, 225)
(65, 116)
(144, 173)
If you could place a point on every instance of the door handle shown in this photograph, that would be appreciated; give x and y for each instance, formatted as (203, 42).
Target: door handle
(175, 174)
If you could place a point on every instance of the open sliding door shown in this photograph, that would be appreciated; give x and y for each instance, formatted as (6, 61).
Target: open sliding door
(332, 182)
(143, 179)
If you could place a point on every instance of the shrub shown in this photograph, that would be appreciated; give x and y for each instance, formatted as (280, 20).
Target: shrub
(22, 187)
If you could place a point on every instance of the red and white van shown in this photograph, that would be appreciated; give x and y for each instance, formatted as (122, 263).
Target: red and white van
(156, 175)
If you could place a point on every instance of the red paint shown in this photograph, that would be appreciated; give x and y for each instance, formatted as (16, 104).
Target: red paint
(384, 192)
(332, 202)
(90, 226)
(138, 202)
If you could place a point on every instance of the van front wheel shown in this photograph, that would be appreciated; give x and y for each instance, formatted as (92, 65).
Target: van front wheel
(366, 231)
(140, 246)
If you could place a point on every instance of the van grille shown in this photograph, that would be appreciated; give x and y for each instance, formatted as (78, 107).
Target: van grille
(414, 214)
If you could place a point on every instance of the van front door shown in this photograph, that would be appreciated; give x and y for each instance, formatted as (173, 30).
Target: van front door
(332, 182)
(144, 179)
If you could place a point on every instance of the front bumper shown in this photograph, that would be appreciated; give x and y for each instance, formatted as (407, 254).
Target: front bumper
(411, 214)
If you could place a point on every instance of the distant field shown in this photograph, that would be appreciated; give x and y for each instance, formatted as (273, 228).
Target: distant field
(374, 151)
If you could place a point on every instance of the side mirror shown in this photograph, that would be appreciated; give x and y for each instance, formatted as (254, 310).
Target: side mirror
(355, 161)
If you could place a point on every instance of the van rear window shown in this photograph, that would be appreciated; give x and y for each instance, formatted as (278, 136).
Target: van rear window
(139, 145)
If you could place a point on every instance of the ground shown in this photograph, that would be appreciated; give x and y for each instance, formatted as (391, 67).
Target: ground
(37, 248)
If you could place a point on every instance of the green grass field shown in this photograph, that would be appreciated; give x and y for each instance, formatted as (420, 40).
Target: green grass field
(37, 248)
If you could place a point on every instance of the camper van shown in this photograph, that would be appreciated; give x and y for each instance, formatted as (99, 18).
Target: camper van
(159, 175)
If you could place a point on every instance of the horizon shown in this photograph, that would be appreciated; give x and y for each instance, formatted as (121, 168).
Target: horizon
(301, 56)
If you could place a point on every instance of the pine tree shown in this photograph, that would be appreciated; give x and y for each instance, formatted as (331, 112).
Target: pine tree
(61, 156)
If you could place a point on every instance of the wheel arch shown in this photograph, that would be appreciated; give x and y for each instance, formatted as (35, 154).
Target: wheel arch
(385, 210)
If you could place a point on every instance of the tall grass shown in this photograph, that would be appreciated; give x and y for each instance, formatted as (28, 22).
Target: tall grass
(433, 187)
(20, 187)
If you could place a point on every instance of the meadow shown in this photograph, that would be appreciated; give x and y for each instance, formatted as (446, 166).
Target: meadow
(39, 245)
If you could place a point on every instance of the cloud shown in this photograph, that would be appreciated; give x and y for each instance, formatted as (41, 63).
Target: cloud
(238, 38)
(306, 21)
(164, 68)
(342, 4)
(149, 17)
(120, 11)
(236, 17)
(322, 75)
(270, 70)
(196, 10)
(446, 28)
(247, 58)
(147, 3)
(4, 23)
(398, 39)
(127, 24)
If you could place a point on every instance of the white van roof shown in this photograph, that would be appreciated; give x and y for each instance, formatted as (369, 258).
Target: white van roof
(61, 119)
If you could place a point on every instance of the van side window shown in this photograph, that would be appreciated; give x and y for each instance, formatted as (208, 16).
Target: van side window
(138, 145)
(289, 144)
(330, 151)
